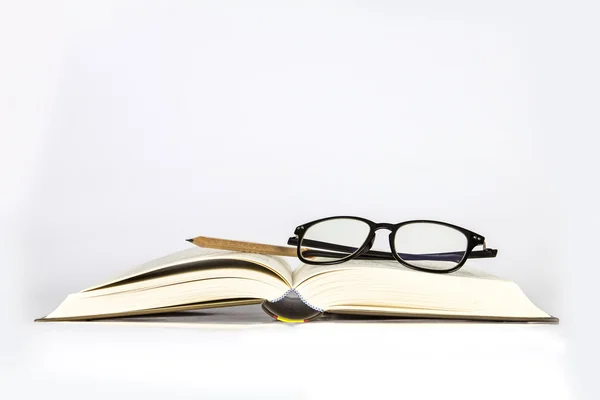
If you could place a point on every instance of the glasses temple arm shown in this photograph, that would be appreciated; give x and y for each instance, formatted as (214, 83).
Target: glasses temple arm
(455, 256)
(485, 253)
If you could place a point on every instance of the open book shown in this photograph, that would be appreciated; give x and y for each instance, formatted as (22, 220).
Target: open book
(200, 278)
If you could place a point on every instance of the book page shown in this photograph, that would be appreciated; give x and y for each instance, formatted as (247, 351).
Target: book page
(194, 254)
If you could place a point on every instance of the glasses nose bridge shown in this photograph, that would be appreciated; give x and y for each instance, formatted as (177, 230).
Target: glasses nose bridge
(371, 240)
(384, 225)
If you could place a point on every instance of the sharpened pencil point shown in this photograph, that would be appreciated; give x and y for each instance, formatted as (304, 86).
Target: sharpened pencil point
(190, 240)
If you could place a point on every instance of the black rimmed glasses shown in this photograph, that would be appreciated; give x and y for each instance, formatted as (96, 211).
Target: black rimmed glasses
(430, 246)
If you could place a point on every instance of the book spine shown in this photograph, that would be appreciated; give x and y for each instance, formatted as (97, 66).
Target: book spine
(282, 296)
(300, 297)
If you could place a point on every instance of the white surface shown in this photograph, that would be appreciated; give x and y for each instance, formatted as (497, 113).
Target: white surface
(319, 360)
(127, 127)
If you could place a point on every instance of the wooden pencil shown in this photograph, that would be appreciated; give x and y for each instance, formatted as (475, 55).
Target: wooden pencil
(247, 247)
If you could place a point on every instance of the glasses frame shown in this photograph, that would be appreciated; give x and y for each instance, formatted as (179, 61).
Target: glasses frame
(365, 252)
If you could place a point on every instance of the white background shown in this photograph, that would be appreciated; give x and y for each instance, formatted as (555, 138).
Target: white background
(127, 127)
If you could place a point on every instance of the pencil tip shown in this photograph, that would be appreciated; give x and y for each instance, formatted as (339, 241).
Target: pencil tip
(190, 240)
